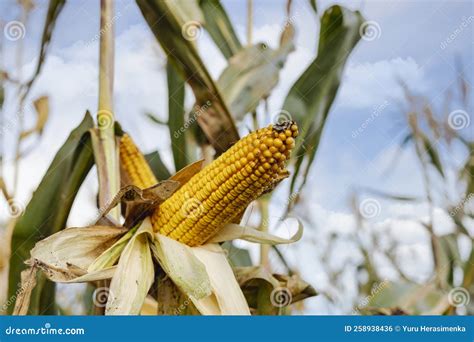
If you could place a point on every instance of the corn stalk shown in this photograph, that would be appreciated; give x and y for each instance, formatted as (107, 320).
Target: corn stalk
(107, 158)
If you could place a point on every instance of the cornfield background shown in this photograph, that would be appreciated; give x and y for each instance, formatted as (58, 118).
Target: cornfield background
(381, 179)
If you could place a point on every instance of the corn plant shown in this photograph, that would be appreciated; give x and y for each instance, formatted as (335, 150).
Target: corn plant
(159, 242)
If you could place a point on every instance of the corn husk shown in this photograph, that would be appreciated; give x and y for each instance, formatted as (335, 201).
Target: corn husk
(68, 253)
(182, 266)
(134, 275)
(227, 297)
(233, 231)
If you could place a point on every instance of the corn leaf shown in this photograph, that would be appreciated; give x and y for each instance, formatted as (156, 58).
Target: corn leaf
(448, 258)
(49, 207)
(218, 24)
(28, 283)
(176, 123)
(157, 166)
(185, 174)
(432, 153)
(413, 299)
(252, 73)
(186, 10)
(213, 115)
(270, 294)
(226, 291)
(310, 98)
(134, 275)
(42, 110)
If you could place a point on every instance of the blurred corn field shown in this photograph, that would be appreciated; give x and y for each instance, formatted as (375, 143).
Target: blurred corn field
(166, 239)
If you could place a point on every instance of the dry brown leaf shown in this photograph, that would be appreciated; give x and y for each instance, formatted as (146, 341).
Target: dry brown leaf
(28, 283)
(186, 173)
(141, 202)
(42, 111)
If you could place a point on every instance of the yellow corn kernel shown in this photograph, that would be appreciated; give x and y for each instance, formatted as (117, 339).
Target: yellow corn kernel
(134, 164)
(197, 210)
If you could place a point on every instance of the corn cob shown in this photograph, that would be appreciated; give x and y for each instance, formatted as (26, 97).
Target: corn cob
(134, 164)
(222, 190)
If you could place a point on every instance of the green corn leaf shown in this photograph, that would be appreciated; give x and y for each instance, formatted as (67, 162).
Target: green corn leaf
(310, 98)
(176, 124)
(432, 153)
(157, 166)
(48, 210)
(218, 24)
(253, 73)
(212, 114)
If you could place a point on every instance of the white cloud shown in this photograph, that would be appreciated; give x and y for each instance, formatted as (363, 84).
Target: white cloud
(367, 85)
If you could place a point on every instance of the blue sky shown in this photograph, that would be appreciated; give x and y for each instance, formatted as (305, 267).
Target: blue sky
(412, 45)
(408, 48)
